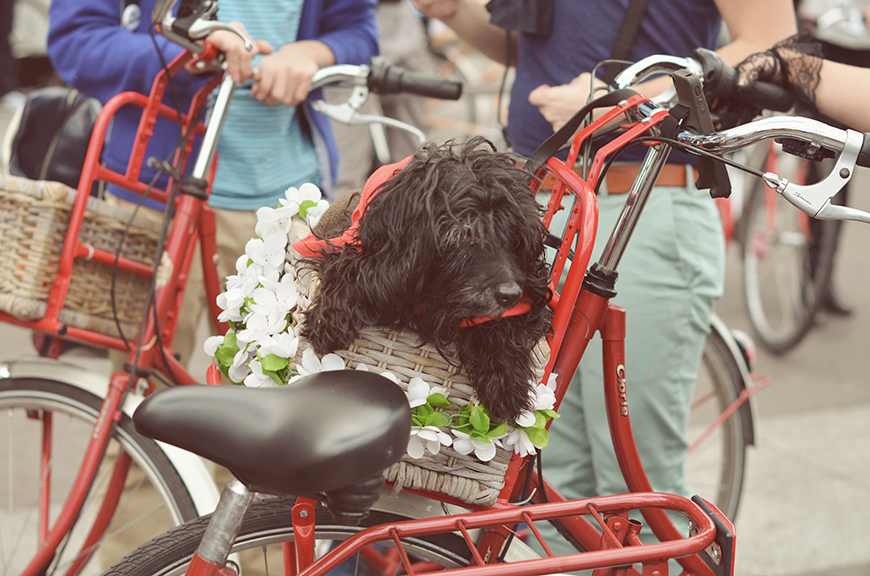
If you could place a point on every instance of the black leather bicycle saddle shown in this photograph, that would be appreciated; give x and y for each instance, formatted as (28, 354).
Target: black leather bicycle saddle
(325, 431)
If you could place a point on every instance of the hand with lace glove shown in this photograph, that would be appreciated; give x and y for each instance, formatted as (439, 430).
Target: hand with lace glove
(794, 64)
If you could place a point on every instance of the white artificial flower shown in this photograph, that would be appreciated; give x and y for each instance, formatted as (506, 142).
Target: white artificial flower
(284, 290)
(545, 394)
(270, 276)
(331, 362)
(239, 369)
(316, 212)
(419, 391)
(284, 345)
(483, 450)
(526, 419)
(274, 220)
(425, 438)
(388, 375)
(391, 377)
(230, 303)
(296, 196)
(518, 440)
(543, 398)
(211, 344)
(257, 379)
(268, 251)
(311, 363)
(258, 326)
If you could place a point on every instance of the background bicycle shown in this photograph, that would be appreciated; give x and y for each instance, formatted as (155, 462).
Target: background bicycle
(57, 405)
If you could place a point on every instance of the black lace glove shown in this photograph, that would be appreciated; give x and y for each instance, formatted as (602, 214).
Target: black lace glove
(793, 63)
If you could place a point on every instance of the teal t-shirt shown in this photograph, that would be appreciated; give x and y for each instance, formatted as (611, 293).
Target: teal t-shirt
(262, 149)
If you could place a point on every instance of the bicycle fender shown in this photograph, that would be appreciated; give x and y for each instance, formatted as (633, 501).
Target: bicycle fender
(192, 469)
(718, 326)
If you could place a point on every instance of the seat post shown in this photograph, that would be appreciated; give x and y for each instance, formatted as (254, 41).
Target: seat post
(225, 523)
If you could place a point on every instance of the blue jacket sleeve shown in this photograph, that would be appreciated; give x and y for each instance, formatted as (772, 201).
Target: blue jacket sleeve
(92, 52)
(348, 27)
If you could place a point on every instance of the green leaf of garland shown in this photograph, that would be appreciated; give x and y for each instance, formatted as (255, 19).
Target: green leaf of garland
(303, 208)
(274, 363)
(439, 400)
(479, 417)
(539, 436)
(227, 351)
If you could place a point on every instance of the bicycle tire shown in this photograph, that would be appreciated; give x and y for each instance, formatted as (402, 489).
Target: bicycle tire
(269, 522)
(785, 270)
(25, 403)
(716, 465)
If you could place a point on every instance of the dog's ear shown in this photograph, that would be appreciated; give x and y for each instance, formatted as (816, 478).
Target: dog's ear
(498, 358)
(355, 290)
(331, 322)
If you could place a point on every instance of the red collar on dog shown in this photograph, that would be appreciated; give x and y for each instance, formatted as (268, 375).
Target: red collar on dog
(312, 246)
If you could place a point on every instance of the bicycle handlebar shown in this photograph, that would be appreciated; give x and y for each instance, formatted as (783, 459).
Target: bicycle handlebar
(195, 20)
(720, 80)
(804, 136)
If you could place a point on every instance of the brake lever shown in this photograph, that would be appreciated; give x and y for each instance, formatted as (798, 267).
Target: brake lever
(815, 199)
(348, 113)
(186, 31)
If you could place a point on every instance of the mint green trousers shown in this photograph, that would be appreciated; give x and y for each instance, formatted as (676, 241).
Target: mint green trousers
(669, 279)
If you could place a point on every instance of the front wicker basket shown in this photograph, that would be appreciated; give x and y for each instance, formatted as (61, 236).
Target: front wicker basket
(402, 353)
(33, 224)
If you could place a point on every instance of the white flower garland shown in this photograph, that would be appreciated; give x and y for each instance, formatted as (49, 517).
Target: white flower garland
(262, 342)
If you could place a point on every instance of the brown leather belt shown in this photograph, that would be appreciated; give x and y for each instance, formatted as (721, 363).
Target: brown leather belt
(619, 178)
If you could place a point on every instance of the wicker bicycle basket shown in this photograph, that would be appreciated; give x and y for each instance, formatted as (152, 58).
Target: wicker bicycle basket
(403, 354)
(33, 224)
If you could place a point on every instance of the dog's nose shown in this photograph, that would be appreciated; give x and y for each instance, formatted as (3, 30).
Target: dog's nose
(508, 293)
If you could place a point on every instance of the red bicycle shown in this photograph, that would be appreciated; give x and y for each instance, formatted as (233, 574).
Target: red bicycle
(105, 277)
(312, 540)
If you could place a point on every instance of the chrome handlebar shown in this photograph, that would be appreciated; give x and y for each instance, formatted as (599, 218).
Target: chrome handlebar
(813, 199)
(186, 30)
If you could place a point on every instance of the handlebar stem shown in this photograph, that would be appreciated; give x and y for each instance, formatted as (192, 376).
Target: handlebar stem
(637, 197)
(212, 133)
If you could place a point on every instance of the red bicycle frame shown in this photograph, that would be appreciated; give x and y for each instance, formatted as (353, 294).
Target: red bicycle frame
(578, 314)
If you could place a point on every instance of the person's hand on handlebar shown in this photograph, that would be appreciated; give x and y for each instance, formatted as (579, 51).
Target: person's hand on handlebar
(284, 77)
(794, 64)
(239, 60)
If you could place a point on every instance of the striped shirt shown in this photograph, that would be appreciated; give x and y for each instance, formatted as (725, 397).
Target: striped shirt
(262, 150)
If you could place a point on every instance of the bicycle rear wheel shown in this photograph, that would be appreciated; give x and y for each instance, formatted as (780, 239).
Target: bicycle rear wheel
(44, 432)
(716, 462)
(266, 526)
(787, 266)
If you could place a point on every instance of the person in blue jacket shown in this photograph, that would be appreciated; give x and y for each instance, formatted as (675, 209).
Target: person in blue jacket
(270, 140)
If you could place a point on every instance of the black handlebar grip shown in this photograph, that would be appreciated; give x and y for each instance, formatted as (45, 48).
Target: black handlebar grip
(766, 96)
(188, 8)
(720, 80)
(388, 79)
(864, 154)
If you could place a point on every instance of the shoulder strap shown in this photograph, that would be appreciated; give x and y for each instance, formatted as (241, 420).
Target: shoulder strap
(552, 144)
(625, 38)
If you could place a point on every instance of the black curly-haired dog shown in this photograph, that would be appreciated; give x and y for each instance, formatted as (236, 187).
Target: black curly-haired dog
(451, 239)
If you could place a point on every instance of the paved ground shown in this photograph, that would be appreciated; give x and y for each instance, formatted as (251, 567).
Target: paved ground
(808, 485)
(808, 489)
